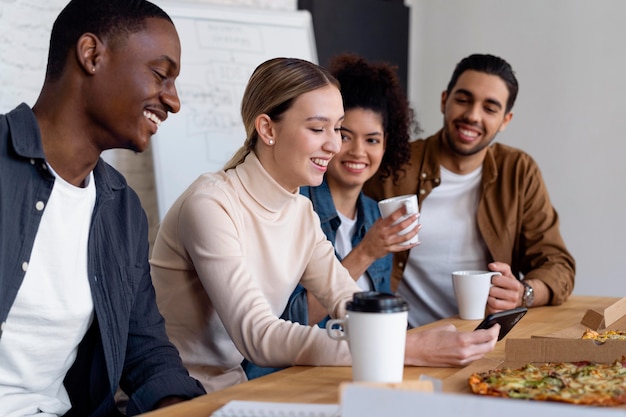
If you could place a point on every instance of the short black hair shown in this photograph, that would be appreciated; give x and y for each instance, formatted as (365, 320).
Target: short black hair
(107, 19)
(488, 64)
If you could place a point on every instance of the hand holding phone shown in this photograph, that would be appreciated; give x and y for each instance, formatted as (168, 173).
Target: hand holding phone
(506, 319)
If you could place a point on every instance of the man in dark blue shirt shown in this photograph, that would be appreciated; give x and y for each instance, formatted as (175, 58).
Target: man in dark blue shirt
(78, 316)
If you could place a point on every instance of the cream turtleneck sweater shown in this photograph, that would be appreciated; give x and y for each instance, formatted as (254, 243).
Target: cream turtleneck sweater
(227, 257)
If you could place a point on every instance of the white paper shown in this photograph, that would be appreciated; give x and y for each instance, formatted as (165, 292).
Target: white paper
(363, 401)
(275, 409)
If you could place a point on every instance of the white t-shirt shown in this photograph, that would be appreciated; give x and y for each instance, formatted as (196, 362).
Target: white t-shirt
(53, 308)
(450, 241)
(343, 246)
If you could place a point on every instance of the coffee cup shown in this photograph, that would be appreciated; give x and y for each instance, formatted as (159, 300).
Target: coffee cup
(471, 289)
(389, 205)
(375, 327)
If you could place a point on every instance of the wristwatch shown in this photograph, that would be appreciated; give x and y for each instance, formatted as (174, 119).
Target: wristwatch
(529, 295)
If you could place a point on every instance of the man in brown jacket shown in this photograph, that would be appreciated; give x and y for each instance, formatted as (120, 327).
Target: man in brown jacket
(482, 205)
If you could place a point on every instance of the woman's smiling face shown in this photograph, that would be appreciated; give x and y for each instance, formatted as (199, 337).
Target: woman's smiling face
(306, 137)
(362, 149)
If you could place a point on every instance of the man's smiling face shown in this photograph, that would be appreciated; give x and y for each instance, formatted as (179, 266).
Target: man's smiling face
(133, 89)
(474, 112)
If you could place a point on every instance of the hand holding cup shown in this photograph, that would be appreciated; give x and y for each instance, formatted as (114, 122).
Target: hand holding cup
(471, 289)
(392, 204)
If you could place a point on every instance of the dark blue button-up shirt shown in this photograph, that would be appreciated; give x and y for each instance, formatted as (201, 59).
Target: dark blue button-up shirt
(127, 344)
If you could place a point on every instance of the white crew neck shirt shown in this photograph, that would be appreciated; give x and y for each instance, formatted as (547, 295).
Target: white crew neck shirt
(53, 308)
(343, 246)
(450, 241)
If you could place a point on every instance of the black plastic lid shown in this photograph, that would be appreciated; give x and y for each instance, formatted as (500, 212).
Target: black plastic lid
(376, 302)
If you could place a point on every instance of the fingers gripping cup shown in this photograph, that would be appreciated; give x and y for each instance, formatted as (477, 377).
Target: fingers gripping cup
(375, 327)
(392, 204)
(471, 289)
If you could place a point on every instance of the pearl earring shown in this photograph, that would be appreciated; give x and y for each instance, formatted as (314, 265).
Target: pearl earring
(271, 141)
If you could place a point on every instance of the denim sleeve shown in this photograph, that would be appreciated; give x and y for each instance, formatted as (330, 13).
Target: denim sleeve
(153, 369)
(297, 309)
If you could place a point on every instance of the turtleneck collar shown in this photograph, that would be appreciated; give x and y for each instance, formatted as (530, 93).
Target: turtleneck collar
(260, 185)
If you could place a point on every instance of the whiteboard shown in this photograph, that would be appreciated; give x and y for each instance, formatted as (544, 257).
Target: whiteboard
(221, 46)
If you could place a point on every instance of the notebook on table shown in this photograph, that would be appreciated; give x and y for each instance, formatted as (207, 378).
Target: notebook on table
(274, 409)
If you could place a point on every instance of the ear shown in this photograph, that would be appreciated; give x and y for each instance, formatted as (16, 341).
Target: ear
(444, 98)
(88, 52)
(265, 128)
(505, 121)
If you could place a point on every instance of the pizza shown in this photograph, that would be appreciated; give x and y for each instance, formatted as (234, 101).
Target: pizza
(587, 383)
(604, 335)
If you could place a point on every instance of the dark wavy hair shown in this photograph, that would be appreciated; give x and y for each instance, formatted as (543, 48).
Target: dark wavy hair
(375, 86)
(113, 20)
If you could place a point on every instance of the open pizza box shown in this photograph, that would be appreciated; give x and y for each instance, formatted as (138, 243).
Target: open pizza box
(519, 352)
(612, 317)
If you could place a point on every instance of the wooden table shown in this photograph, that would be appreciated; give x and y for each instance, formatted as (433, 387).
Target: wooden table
(309, 384)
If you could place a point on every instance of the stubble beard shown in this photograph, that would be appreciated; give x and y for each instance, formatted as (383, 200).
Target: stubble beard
(464, 151)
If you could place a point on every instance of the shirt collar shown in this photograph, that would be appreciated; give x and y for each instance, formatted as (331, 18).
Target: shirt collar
(26, 140)
(25, 135)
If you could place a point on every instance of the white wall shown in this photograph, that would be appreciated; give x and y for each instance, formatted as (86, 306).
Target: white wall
(570, 61)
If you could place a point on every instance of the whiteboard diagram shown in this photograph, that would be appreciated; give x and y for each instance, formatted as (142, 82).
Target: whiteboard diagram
(221, 47)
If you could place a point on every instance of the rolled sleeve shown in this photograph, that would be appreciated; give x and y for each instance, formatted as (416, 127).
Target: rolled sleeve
(150, 393)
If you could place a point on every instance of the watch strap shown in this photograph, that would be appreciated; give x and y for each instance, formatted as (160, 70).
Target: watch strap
(529, 294)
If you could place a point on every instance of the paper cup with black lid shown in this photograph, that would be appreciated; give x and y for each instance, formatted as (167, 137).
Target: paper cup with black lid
(375, 327)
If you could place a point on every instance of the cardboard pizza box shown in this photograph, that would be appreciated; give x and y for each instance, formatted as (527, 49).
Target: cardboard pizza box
(613, 317)
(519, 352)
(542, 350)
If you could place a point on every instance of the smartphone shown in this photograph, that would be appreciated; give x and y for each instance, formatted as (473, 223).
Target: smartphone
(507, 319)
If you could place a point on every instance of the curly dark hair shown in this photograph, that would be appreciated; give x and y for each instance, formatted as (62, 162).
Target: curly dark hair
(375, 86)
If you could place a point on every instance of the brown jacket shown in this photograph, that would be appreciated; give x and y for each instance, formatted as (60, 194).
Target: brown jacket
(515, 217)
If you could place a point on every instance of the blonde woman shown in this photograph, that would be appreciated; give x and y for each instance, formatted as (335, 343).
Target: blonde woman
(236, 243)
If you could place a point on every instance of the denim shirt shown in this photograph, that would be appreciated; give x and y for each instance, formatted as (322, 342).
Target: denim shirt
(127, 344)
(367, 213)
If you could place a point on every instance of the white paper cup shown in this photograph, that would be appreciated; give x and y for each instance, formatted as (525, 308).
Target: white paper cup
(392, 204)
(375, 327)
(471, 289)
